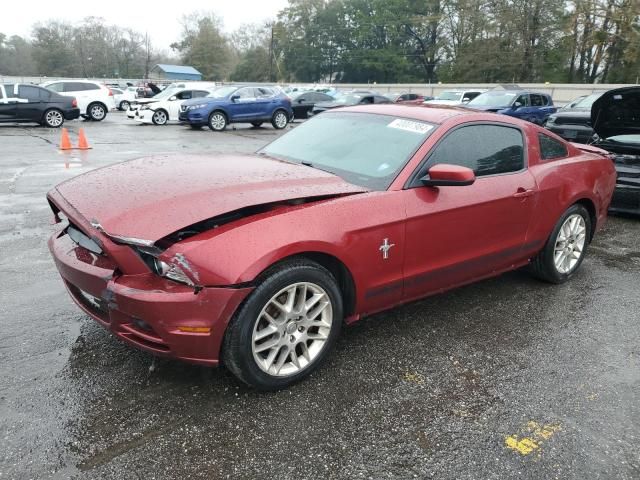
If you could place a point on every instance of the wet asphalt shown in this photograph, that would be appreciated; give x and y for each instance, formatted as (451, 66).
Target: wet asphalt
(507, 378)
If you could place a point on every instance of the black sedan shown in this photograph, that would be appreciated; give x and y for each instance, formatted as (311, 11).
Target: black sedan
(573, 123)
(615, 117)
(348, 100)
(20, 103)
(303, 102)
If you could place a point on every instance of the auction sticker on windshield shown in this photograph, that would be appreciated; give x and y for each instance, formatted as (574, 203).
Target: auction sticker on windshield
(410, 126)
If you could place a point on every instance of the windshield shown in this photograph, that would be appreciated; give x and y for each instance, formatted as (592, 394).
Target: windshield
(587, 102)
(362, 148)
(449, 96)
(222, 92)
(493, 99)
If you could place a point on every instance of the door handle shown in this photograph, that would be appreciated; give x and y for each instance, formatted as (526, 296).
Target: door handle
(523, 193)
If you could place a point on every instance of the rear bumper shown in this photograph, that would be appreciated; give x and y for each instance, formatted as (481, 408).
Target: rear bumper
(72, 114)
(145, 310)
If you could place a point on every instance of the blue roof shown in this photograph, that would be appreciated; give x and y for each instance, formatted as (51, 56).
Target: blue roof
(178, 69)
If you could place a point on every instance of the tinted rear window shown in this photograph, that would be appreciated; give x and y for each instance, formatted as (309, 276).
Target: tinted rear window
(551, 148)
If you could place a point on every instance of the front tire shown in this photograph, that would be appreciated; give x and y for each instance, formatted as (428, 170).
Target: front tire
(160, 117)
(279, 119)
(124, 105)
(286, 327)
(217, 121)
(566, 247)
(53, 118)
(97, 112)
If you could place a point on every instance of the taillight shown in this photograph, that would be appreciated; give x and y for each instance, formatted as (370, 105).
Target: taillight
(74, 103)
(110, 92)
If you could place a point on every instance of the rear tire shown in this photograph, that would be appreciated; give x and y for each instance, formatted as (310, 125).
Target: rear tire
(124, 105)
(566, 247)
(97, 111)
(53, 118)
(280, 119)
(285, 328)
(217, 121)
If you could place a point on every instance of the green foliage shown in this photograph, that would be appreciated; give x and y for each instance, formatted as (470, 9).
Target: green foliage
(203, 46)
(363, 41)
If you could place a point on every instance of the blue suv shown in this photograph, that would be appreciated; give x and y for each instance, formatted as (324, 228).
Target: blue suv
(237, 104)
(534, 107)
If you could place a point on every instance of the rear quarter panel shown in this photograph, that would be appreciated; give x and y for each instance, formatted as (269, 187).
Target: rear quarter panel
(564, 181)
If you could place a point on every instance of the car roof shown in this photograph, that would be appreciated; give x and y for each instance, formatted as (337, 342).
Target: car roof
(436, 114)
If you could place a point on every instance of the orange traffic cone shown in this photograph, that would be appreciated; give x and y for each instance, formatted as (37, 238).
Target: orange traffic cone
(82, 141)
(65, 143)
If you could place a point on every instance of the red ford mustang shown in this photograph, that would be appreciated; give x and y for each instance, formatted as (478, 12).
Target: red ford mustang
(256, 261)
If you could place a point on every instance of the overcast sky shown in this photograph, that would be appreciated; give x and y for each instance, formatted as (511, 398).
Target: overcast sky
(160, 18)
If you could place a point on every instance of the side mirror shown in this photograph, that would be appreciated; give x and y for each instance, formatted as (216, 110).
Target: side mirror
(517, 105)
(445, 175)
(300, 100)
(466, 100)
(171, 99)
(234, 98)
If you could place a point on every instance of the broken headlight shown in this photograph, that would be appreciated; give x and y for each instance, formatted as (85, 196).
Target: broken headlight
(171, 271)
(165, 269)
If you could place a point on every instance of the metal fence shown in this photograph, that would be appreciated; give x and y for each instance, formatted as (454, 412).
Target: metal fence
(560, 92)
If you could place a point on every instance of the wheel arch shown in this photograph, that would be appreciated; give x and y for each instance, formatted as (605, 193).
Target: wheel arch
(337, 267)
(593, 215)
(221, 110)
(44, 114)
(97, 102)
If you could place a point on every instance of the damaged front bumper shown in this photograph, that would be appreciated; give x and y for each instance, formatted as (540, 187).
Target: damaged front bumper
(144, 310)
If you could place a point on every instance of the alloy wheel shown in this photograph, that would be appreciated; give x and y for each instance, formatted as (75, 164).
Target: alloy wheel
(159, 117)
(292, 329)
(570, 243)
(54, 118)
(280, 120)
(218, 122)
(97, 112)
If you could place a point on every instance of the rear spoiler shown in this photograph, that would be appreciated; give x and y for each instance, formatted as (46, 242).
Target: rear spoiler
(590, 149)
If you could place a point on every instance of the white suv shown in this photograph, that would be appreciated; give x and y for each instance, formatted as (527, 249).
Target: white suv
(94, 99)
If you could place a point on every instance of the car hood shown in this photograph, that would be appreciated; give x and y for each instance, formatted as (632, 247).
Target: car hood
(443, 102)
(617, 112)
(142, 101)
(574, 116)
(149, 198)
(487, 108)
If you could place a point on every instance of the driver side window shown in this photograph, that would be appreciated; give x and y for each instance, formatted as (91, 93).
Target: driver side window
(485, 149)
(245, 93)
(523, 100)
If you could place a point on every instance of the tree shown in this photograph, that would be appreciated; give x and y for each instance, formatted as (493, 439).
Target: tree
(203, 45)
